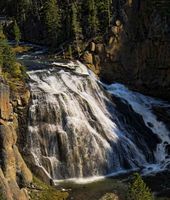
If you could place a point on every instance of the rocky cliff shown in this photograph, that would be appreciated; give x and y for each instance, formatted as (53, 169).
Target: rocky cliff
(14, 174)
(136, 50)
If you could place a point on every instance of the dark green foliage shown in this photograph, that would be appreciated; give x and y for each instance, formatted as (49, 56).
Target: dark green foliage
(9, 66)
(138, 190)
(75, 23)
(76, 26)
(61, 22)
(93, 22)
(104, 14)
(22, 9)
(7, 56)
(16, 32)
(52, 21)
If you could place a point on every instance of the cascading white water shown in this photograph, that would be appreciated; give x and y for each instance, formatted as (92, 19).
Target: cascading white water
(76, 129)
(143, 105)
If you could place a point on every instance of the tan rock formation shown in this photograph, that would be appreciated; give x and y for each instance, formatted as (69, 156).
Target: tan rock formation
(136, 50)
(5, 108)
(14, 174)
(88, 58)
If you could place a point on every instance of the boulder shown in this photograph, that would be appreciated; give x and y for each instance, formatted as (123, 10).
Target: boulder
(88, 58)
(25, 98)
(99, 48)
(92, 46)
(110, 196)
(111, 40)
(118, 23)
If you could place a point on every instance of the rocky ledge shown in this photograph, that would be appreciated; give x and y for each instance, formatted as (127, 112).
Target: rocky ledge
(14, 174)
(136, 49)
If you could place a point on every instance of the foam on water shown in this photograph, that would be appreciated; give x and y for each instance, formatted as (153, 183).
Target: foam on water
(143, 105)
(77, 132)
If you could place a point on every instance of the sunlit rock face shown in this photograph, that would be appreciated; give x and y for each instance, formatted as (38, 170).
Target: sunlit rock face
(80, 128)
(136, 50)
(5, 108)
(14, 174)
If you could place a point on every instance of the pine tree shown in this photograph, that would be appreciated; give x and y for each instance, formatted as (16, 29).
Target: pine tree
(76, 27)
(109, 5)
(138, 189)
(52, 21)
(104, 13)
(16, 32)
(93, 22)
(22, 9)
(7, 55)
(66, 20)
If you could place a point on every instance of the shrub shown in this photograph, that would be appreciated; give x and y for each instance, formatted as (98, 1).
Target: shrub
(138, 190)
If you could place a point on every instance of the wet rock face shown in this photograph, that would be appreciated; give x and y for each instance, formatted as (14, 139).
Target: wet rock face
(14, 174)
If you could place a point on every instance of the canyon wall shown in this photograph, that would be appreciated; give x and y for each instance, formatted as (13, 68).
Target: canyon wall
(136, 51)
(14, 174)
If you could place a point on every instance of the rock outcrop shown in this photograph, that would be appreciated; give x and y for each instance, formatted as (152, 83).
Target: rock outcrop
(136, 50)
(14, 174)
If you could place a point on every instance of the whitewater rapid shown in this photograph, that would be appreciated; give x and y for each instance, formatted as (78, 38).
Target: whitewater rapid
(80, 128)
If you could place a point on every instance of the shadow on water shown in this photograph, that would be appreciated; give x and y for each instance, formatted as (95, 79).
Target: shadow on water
(95, 190)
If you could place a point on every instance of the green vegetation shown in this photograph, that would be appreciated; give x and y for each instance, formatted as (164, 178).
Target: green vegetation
(21, 49)
(12, 71)
(16, 32)
(52, 21)
(57, 22)
(46, 192)
(93, 22)
(104, 14)
(7, 57)
(63, 22)
(138, 190)
(76, 27)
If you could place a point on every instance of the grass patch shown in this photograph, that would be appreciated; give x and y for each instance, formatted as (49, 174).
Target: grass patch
(96, 190)
(21, 49)
(43, 191)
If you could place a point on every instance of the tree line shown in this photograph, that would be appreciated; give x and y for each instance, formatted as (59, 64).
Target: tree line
(62, 20)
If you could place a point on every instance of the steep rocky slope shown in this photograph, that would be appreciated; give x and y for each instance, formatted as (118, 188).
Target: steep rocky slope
(14, 174)
(136, 51)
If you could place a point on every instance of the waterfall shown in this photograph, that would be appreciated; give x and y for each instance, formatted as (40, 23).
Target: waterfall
(79, 127)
